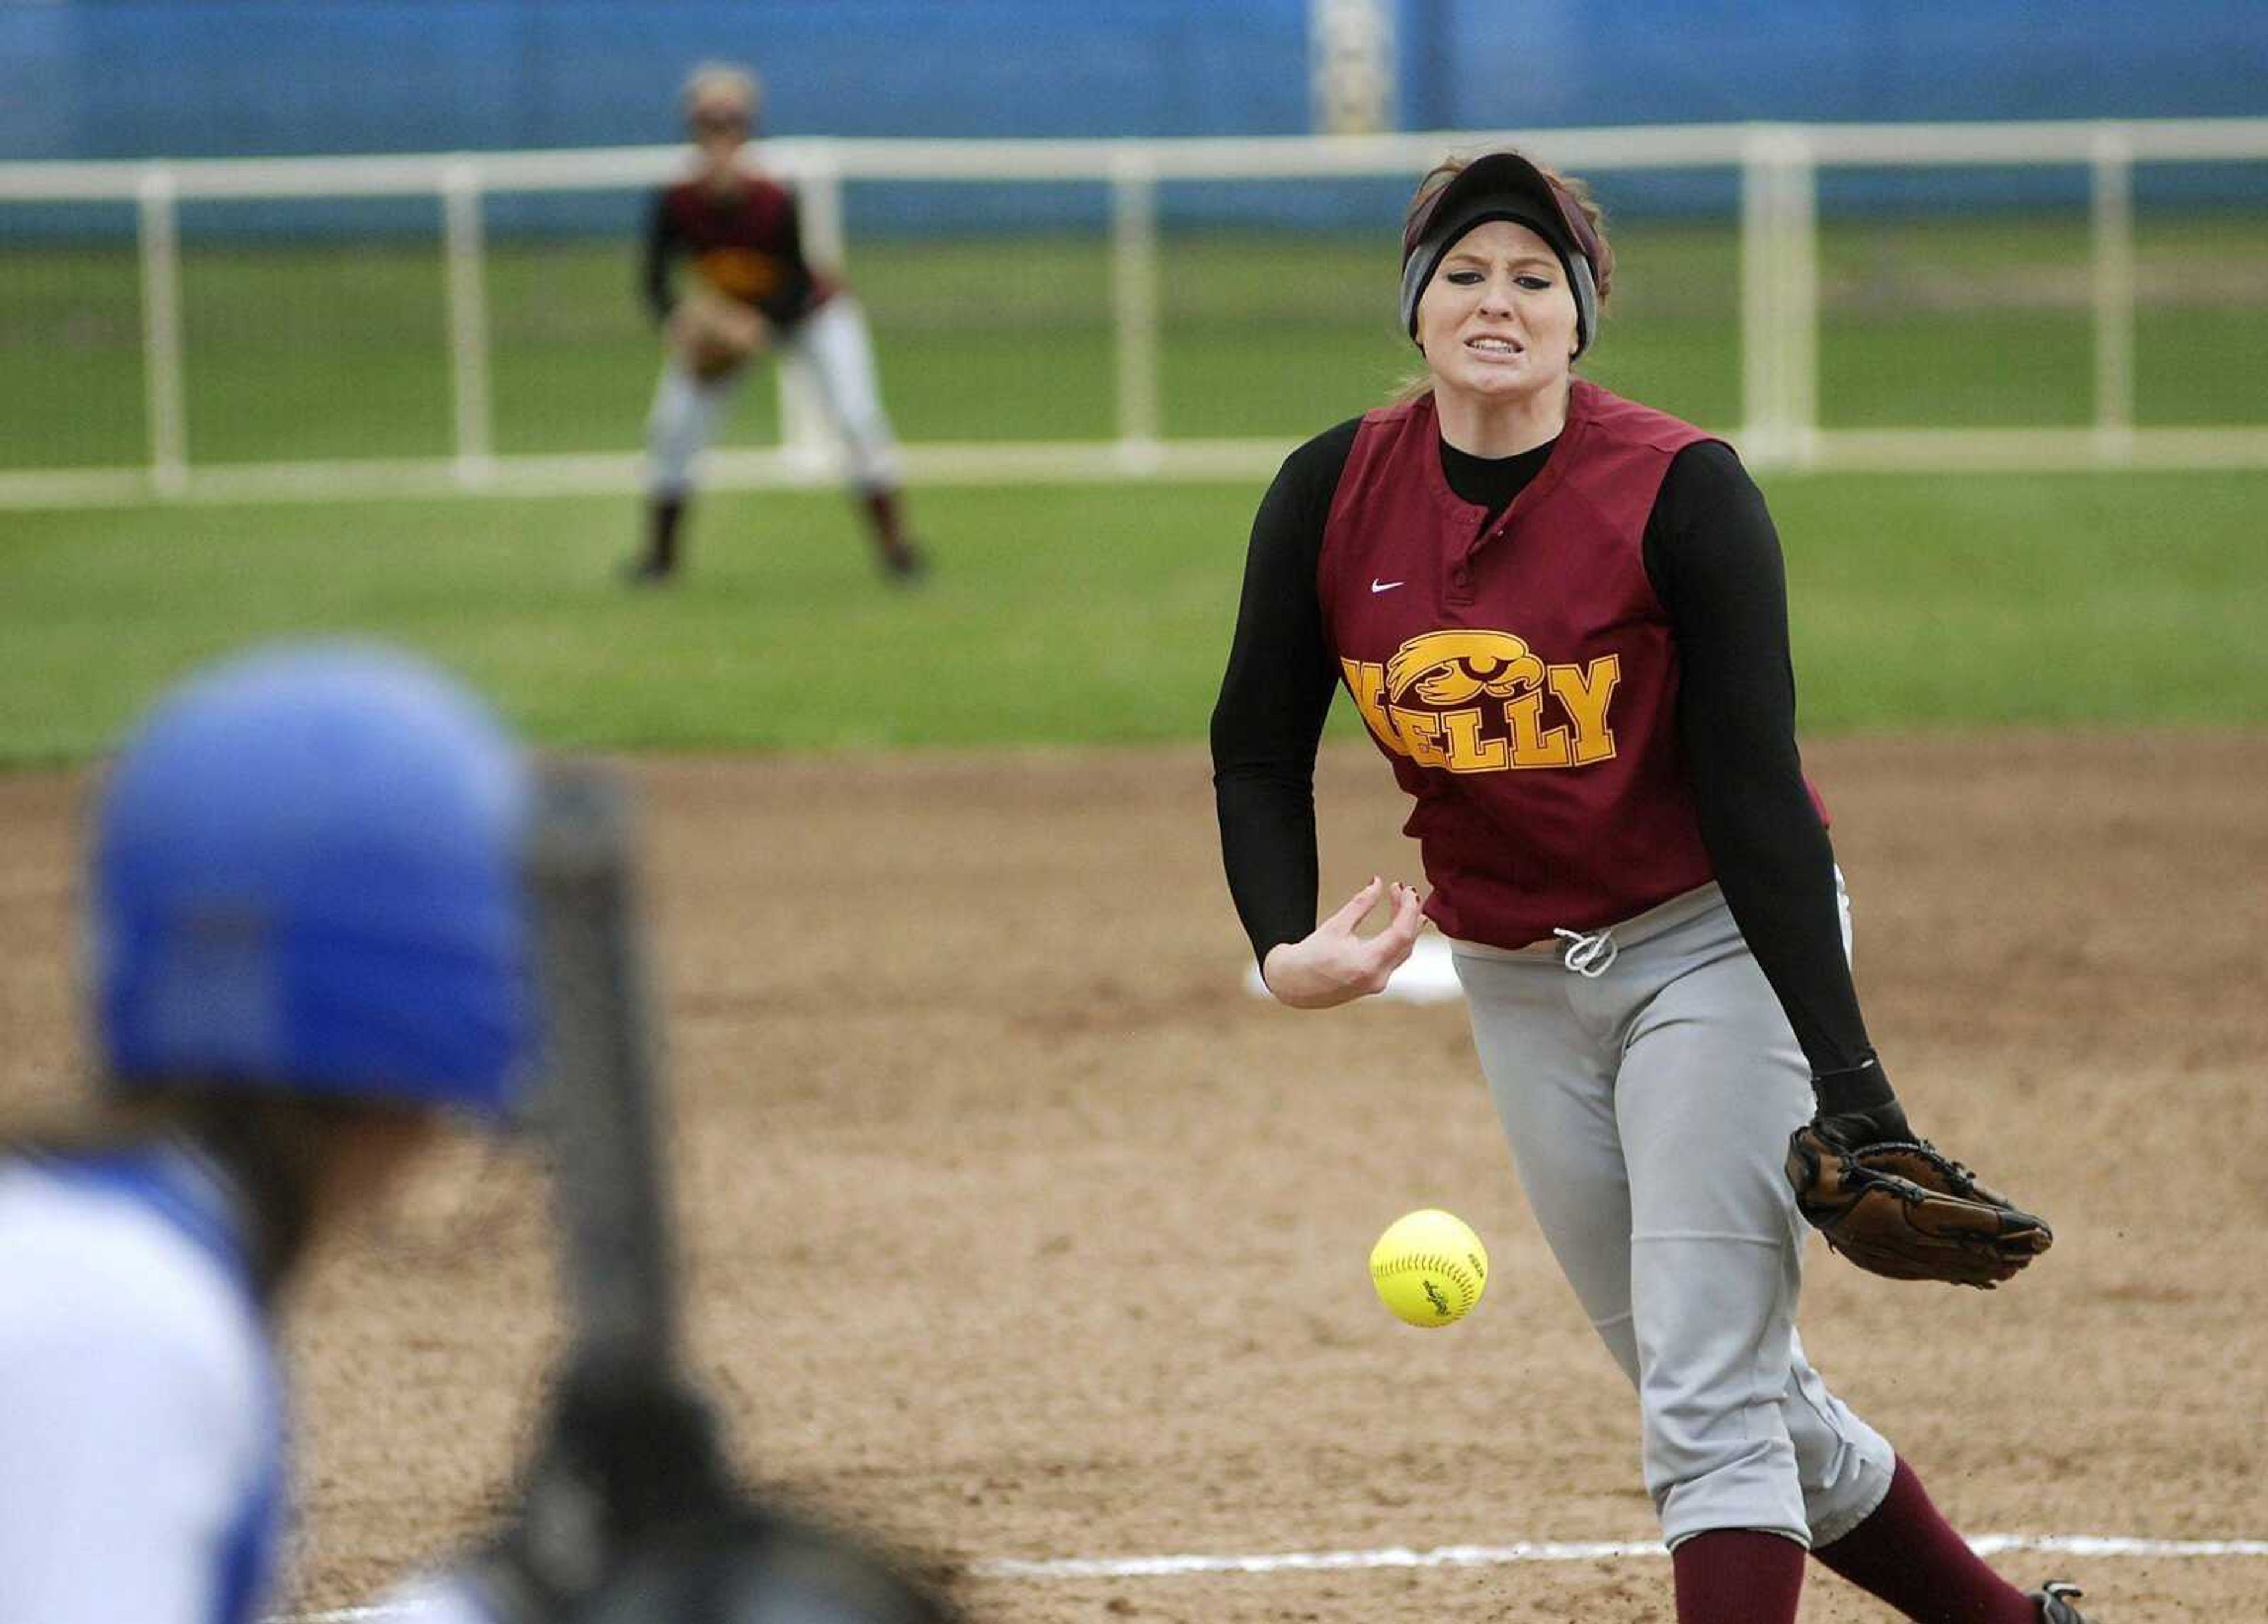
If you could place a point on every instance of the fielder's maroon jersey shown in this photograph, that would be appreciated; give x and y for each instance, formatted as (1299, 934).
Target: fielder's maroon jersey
(747, 243)
(1520, 676)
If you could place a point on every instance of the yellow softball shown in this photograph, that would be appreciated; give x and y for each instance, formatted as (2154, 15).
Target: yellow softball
(1429, 1267)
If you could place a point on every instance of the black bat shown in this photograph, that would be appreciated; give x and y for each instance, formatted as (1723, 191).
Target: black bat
(632, 1516)
(602, 1099)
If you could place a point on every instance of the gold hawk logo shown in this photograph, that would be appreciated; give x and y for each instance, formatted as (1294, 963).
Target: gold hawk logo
(1475, 702)
(741, 272)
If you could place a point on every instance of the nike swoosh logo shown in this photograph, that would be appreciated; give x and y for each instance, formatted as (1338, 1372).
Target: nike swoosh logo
(1377, 585)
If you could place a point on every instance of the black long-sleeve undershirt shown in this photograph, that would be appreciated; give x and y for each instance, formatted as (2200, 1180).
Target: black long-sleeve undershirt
(1713, 558)
(659, 249)
(783, 306)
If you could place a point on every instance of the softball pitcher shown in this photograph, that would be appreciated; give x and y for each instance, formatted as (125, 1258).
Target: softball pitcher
(1562, 616)
(751, 288)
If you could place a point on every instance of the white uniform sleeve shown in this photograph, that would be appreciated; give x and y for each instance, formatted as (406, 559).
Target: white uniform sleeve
(137, 1422)
(433, 1598)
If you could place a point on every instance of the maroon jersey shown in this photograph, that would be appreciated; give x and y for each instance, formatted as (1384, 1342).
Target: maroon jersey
(1520, 676)
(747, 243)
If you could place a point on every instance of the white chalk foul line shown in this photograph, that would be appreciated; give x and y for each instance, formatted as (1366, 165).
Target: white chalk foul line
(1444, 1557)
(1312, 1562)
(1583, 1551)
(2115, 1544)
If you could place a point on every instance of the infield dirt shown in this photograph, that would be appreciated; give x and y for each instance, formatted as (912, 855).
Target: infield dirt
(1016, 1230)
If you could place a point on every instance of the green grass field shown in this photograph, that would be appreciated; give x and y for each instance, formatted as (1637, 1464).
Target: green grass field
(1094, 614)
(314, 352)
(1098, 613)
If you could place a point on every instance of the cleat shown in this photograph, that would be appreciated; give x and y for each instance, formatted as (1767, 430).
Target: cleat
(904, 565)
(2055, 1598)
(644, 572)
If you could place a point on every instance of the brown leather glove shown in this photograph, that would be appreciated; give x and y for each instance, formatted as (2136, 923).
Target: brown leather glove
(715, 334)
(1899, 1208)
(1889, 1203)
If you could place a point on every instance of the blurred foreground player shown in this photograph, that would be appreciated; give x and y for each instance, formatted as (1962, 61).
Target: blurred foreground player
(311, 945)
(307, 950)
(750, 288)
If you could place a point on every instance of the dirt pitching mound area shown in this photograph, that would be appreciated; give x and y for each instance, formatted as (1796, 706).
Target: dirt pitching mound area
(1016, 1230)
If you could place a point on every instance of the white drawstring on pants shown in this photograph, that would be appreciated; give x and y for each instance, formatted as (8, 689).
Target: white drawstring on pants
(1588, 956)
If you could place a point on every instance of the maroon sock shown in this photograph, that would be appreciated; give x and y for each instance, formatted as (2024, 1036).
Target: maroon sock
(881, 505)
(1906, 1553)
(1738, 1576)
(664, 517)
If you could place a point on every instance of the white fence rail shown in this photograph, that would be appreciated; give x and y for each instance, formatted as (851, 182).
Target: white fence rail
(1778, 167)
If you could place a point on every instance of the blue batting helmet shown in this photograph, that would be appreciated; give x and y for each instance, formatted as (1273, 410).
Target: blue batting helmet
(306, 878)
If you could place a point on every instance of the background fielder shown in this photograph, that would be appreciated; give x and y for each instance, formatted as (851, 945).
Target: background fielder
(750, 286)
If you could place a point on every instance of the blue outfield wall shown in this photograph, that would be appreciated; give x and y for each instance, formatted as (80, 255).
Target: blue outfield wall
(142, 79)
(138, 78)
(1484, 63)
(134, 78)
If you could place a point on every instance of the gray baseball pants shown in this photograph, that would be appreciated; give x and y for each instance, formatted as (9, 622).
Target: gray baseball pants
(1649, 1104)
(833, 349)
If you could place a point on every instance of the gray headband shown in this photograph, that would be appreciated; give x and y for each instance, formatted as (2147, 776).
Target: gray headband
(1418, 269)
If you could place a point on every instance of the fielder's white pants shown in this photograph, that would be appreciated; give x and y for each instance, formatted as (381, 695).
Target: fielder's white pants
(833, 349)
(1649, 1111)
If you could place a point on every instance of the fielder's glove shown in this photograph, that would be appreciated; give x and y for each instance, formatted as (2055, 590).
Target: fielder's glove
(715, 334)
(1886, 1199)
